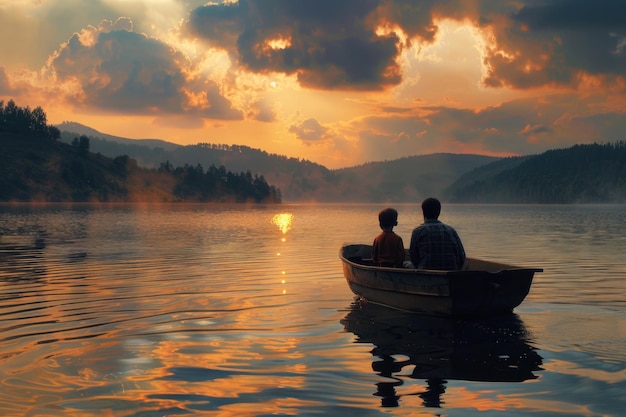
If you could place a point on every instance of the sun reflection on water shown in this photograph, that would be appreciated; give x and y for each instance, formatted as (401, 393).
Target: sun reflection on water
(283, 221)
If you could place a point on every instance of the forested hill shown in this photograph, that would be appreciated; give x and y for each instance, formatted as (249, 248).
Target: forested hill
(297, 179)
(581, 174)
(36, 166)
(406, 179)
(593, 173)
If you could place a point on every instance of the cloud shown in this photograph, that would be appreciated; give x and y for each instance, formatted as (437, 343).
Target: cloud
(217, 106)
(327, 44)
(310, 130)
(262, 111)
(5, 87)
(557, 42)
(496, 77)
(117, 69)
(522, 126)
(356, 44)
(395, 109)
(392, 136)
(534, 129)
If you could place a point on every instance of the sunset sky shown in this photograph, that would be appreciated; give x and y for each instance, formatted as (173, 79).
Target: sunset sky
(338, 82)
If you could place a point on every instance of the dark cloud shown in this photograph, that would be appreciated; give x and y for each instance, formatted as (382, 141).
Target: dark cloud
(326, 43)
(221, 24)
(560, 41)
(417, 18)
(599, 15)
(121, 70)
(337, 44)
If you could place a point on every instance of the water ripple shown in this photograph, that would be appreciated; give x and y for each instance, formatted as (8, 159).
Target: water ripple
(219, 311)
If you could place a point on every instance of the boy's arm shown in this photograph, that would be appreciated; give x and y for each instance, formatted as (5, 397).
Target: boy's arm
(375, 250)
(402, 253)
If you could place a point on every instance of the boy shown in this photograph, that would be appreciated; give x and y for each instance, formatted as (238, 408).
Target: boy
(388, 249)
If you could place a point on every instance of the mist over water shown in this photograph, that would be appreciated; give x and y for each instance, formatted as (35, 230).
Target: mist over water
(129, 310)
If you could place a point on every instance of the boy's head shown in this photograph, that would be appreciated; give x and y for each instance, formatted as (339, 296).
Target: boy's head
(388, 218)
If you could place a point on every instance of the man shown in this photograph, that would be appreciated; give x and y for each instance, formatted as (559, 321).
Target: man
(435, 245)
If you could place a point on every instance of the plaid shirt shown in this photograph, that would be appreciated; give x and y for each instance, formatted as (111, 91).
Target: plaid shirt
(435, 245)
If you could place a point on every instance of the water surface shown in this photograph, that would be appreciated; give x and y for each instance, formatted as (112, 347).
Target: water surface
(131, 310)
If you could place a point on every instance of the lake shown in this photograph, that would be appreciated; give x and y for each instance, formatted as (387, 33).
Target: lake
(131, 310)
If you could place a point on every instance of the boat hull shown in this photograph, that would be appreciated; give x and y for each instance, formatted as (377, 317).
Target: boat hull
(484, 288)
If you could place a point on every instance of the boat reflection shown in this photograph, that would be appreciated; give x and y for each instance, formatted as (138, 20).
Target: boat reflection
(495, 349)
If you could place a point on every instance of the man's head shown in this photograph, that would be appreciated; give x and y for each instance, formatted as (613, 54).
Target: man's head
(431, 207)
(388, 218)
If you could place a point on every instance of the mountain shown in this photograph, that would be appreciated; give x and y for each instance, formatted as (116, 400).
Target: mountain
(591, 173)
(71, 129)
(580, 174)
(407, 179)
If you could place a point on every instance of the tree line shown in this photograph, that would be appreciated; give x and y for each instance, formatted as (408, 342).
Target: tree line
(193, 182)
(16, 119)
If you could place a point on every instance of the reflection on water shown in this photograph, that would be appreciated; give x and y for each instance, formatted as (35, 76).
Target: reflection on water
(127, 310)
(283, 221)
(435, 349)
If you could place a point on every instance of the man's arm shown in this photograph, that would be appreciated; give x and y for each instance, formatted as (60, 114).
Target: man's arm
(460, 250)
(413, 248)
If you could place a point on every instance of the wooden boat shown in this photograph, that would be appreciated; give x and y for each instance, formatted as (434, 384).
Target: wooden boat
(483, 288)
